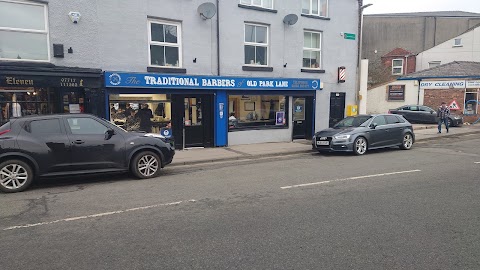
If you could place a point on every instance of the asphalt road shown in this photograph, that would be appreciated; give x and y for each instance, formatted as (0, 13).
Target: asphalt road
(389, 209)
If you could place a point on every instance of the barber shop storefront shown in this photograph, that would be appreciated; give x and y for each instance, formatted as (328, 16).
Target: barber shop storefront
(38, 89)
(207, 111)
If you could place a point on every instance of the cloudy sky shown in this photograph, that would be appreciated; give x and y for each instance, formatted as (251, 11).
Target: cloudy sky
(391, 6)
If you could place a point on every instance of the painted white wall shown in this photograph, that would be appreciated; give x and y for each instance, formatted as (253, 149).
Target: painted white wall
(377, 97)
(362, 108)
(446, 52)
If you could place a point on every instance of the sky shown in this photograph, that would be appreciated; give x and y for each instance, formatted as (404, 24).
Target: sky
(396, 6)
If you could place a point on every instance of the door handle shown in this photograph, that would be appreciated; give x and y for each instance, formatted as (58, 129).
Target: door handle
(78, 142)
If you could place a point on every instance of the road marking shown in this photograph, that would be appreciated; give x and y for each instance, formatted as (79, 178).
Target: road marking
(477, 162)
(91, 216)
(350, 178)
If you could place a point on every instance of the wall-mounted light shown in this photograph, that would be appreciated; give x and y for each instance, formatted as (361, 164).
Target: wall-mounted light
(285, 65)
(195, 60)
(74, 16)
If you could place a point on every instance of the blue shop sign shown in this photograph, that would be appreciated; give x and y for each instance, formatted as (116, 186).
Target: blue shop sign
(151, 80)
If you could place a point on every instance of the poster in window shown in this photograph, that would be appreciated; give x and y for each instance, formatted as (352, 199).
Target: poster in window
(280, 118)
(396, 92)
(249, 106)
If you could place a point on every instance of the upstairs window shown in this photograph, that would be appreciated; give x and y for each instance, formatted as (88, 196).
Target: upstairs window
(397, 67)
(256, 45)
(165, 47)
(315, 7)
(23, 31)
(312, 49)
(433, 64)
(457, 42)
(258, 3)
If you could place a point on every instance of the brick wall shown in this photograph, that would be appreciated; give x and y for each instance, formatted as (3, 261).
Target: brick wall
(434, 98)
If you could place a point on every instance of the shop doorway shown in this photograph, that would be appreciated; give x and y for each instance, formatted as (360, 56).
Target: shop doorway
(337, 108)
(302, 117)
(192, 120)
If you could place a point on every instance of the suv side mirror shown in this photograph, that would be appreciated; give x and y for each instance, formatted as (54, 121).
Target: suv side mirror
(431, 112)
(373, 126)
(109, 133)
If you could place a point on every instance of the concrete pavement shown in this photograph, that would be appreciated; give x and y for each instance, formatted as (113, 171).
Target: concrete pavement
(253, 151)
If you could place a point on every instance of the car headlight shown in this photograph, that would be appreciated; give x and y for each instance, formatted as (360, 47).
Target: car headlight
(342, 137)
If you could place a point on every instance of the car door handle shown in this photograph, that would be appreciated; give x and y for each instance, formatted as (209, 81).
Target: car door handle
(78, 142)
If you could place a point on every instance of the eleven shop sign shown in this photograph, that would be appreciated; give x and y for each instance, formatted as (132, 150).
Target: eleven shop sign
(459, 84)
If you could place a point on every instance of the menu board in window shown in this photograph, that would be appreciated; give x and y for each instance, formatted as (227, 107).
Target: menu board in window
(396, 92)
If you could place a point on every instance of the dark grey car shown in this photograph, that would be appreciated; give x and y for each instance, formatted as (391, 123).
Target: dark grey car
(360, 133)
(425, 115)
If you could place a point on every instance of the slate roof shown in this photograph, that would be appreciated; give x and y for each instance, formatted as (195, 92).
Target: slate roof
(428, 14)
(398, 52)
(456, 69)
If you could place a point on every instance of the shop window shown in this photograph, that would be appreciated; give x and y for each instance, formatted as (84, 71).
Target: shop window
(315, 7)
(254, 112)
(312, 49)
(165, 44)
(124, 111)
(471, 103)
(397, 67)
(258, 3)
(256, 45)
(23, 31)
(23, 102)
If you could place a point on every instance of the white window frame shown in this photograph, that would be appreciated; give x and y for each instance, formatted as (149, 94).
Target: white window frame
(242, 2)
(313, 49)
(394, 67)
(267, 45)
(318, 14)
(33, 31)
(437, 63)
(178, 44)
(459, 44)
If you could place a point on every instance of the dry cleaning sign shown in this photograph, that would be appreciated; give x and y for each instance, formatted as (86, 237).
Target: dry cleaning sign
(442, 84)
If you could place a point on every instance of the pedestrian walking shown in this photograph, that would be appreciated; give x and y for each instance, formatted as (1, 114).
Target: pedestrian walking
(443, 113)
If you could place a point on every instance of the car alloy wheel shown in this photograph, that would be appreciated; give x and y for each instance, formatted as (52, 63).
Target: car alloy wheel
(15, 175)
(146, 165)
(407, 141)
(360, 146)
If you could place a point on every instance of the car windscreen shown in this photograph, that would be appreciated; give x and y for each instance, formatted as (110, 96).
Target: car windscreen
(354, 121)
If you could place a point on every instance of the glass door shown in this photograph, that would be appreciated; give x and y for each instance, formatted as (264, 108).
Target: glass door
(193, 122)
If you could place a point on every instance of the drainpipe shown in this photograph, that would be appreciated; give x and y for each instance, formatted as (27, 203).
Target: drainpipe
(418, 94)
(218, 38)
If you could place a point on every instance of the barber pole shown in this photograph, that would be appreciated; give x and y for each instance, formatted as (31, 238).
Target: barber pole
(341, 74)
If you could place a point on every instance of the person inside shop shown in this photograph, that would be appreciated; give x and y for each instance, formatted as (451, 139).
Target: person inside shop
(16, 108)
(232, 121)
(145, 115)
(132, 123)
(113, 110)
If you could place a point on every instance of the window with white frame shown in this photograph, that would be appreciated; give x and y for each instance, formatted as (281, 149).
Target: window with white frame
(256, 45)
(457, 42)
(312, 49)
(433, 64)
(23, 31)
(315, 7)
(165, 44)
(258, 3)
(397, 67)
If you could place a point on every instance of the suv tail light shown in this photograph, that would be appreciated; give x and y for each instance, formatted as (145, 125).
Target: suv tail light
(4, 131)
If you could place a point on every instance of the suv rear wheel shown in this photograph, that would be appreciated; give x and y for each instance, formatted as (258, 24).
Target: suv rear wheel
(15, 175)
(146, 164)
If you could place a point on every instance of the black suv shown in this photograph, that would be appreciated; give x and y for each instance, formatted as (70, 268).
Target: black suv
(73, 144)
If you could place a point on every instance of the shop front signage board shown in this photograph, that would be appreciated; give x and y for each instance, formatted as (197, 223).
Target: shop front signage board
(396, 92)
(150, 80)
(442, 84)
(48, 81)
(473, 84)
